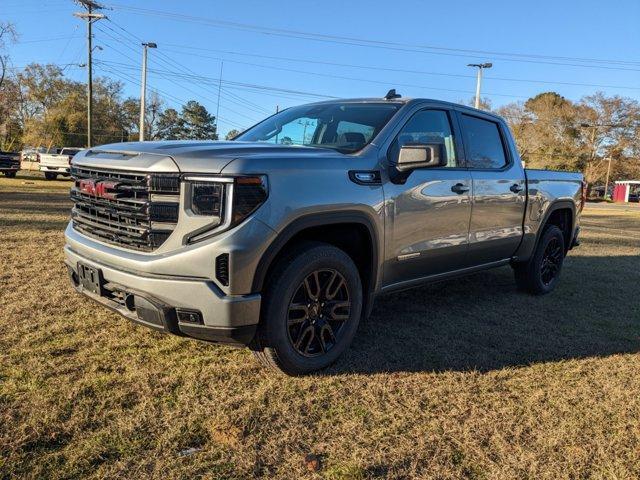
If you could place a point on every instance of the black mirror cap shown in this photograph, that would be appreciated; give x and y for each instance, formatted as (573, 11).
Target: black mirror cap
(428, 155)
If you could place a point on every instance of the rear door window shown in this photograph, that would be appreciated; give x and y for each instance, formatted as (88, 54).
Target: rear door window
(363, 133)
(483, 143)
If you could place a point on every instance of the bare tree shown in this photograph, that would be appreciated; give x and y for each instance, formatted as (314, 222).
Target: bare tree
(8, 35)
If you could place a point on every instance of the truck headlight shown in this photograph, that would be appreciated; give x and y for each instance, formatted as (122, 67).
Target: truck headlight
(224, 201)
(207, 198)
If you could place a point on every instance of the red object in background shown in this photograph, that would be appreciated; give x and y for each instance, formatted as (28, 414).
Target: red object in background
(620, 192)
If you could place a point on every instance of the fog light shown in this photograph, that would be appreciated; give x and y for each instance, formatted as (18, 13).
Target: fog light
(189, 316)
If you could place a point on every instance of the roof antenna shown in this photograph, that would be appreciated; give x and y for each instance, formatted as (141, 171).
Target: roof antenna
(391, 94)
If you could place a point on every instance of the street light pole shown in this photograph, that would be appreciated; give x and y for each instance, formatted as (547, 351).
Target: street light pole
(143, 87)
(480, 67)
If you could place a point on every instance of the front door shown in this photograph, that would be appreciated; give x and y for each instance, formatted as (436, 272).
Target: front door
(428, 215)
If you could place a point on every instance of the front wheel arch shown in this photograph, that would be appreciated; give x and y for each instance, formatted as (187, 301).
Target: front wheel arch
(322, 227)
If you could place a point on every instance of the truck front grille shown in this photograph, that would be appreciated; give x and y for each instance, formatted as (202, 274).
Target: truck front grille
(133, 210)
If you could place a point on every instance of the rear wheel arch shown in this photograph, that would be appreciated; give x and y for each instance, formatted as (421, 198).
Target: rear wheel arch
(561, 214)
(352, 232)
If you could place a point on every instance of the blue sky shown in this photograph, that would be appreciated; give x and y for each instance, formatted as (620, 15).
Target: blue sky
(306, 51)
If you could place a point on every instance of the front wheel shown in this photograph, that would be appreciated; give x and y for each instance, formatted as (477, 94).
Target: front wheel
(10, 174)
(50, 176)
(311, 310)
(541, 273)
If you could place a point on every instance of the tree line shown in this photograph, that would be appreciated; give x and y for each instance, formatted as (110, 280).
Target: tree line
(39, 106)
(556, 133)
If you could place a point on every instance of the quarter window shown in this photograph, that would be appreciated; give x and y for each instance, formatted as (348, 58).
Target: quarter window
(428, 126)
(483, 143)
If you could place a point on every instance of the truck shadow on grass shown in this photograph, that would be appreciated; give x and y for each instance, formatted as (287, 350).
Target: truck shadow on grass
(483, 323)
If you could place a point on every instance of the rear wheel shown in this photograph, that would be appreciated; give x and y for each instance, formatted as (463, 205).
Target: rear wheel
(541, 273)
(50, 176)
(10, 174)
(311, 310)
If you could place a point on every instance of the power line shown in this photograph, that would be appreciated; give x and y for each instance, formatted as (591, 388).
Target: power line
(362, 42)
(229, 83)
(357, 79)
(167, 61)
(387, 69)
(127, 78)
(249, 104)
(49, 39)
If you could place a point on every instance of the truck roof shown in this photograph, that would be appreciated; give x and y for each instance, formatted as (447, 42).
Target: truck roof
(407, 101)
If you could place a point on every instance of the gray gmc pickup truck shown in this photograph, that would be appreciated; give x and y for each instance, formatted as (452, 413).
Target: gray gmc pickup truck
(281, 239)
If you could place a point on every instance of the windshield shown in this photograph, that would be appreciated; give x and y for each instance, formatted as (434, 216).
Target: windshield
(346, 127)
(69, 151)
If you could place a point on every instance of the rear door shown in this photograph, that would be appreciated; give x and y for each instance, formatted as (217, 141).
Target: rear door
(428, 213)
(498, 189)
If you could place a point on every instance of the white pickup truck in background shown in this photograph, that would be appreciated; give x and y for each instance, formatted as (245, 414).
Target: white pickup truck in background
(54, 164)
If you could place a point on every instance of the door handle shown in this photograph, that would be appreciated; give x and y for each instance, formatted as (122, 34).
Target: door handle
(459, 188)
(515, 188)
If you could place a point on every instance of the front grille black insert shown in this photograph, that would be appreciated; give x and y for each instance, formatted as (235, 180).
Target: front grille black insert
(133, 210)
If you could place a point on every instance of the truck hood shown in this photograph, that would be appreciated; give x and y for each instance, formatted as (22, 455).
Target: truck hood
(187, 156)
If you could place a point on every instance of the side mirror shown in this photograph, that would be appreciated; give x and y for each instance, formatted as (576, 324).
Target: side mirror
(414, 156)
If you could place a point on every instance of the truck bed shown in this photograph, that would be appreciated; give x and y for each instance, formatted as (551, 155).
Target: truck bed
(540, 175)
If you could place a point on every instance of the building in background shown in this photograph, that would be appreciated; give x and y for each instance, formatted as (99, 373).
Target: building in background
(626, 191)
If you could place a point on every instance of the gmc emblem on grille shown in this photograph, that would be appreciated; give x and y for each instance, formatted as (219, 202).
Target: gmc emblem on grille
(99, 189)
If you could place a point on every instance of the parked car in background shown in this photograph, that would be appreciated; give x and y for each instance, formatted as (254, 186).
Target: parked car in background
(54, 164)
(30, 158)
(9, 163)
(282, 238)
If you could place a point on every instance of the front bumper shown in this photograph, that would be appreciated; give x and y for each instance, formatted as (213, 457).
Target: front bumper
(58, 170)
(157, 301)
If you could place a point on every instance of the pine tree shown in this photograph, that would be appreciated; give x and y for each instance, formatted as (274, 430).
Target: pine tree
(198, 123)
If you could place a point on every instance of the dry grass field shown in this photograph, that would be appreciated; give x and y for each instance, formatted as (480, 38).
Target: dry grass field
(463, 379)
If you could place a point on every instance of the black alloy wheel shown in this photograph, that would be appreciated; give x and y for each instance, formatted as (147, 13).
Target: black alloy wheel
(318, 311)
(311, 308)
(551, 261)
(540, 274)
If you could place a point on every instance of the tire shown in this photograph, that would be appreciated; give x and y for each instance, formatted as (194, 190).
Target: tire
(10, 174)
(50, 176)
(306, 323)
(541, 273)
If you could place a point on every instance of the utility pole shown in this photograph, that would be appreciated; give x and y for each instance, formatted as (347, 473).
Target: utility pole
(90, 17)
(143, 87)
(606, 183)
(480, 67)
(304, 131)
